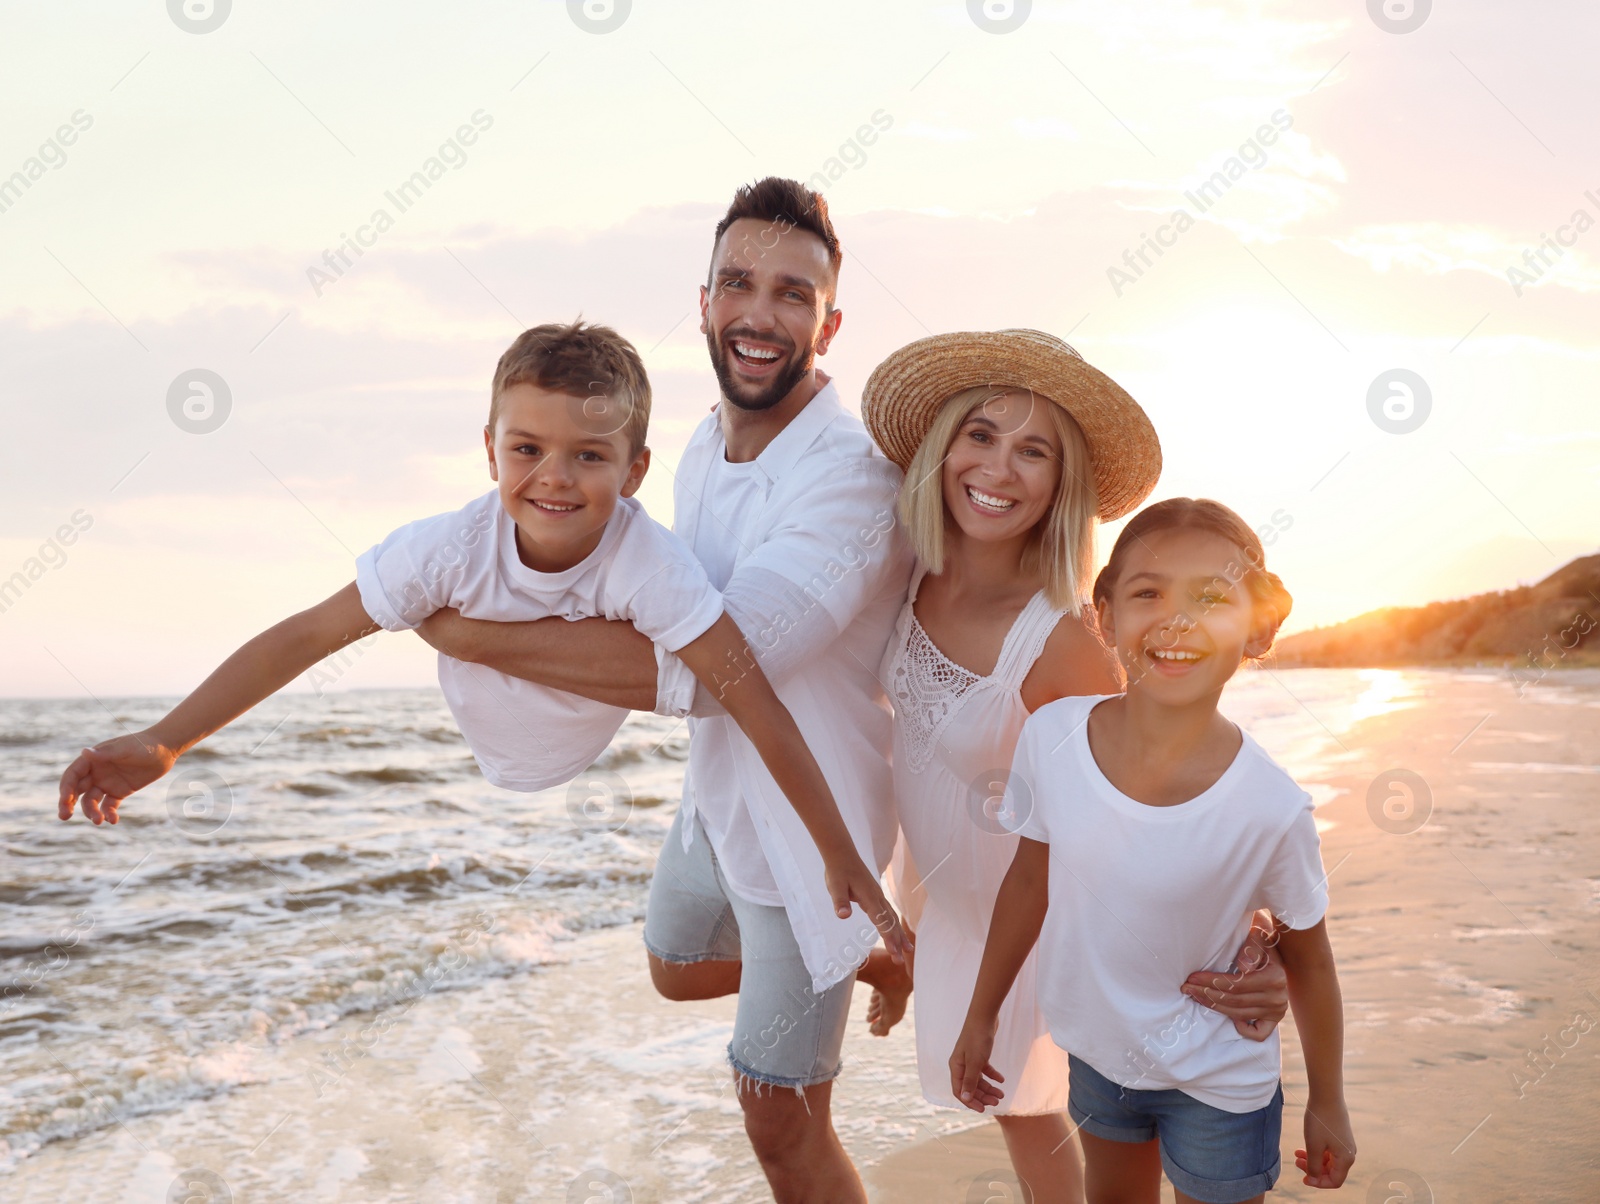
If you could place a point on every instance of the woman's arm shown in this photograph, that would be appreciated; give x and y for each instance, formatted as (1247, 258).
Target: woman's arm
(723, 662)
(1019, 911)
(102, 776)
(1075, 661)
(1256, 997)
(1319, 1015)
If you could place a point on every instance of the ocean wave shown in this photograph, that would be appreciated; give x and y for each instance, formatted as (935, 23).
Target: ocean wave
(389, 775)
(619, 755)
(440, 735)
(312, 789)
(428, 881)
(331, 735)
(89, 1106)
(66, 1105)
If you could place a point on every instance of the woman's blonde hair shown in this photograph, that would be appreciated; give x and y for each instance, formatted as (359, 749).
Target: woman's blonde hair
(1061, 546)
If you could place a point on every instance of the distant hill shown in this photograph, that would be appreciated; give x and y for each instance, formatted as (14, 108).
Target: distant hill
(1554, 622)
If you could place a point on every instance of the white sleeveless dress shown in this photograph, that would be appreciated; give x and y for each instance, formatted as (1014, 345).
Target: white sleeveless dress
(954, 735)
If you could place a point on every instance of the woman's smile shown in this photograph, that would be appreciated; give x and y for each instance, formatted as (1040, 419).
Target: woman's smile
(989, 503)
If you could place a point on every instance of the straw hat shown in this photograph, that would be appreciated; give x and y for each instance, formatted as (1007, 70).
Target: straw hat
(905, 392)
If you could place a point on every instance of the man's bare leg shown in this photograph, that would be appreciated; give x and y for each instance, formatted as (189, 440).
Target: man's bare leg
(795, 1143)
(682, 981)
(891, 990)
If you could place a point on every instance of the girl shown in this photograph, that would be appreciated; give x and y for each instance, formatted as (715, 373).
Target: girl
(1012, 445)
(1151, 828)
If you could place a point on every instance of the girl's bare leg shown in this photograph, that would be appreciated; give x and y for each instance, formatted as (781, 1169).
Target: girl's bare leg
(1120, 1172)
(1045, 1157)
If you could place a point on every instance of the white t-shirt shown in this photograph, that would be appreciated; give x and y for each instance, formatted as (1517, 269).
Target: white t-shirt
(527, 736)
(734, 496)
(802, 540)
(1142, 896)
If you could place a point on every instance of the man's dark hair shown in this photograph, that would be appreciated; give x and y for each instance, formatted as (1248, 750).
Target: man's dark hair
(785, 204)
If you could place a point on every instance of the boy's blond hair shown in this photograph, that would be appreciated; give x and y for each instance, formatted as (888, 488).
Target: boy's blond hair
(586, 361)
(1061, 545)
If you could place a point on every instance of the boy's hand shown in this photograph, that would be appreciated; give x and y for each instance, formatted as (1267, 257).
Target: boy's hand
(104, 775)
(855, 883)
(970, 1072)
(1330, 1145)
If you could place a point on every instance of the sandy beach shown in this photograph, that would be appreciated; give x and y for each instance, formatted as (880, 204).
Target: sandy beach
(1466, 932)
(1467, 954)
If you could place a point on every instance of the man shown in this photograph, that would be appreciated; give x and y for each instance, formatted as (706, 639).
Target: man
(788, 505)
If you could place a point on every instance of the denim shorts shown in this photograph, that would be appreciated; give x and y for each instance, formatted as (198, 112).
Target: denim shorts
(785, 1034)
(1210, 1155)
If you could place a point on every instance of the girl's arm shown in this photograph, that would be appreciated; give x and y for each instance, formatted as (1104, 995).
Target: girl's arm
(723, 662)
(1019, 911)
(1319, 1014)
(104, 775)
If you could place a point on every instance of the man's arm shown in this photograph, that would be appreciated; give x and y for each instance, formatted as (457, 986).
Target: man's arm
(1319, 1015)
(791, 597)
(607, 660)
(102, 776)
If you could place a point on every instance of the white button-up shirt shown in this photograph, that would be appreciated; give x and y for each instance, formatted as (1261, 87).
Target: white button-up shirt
(803, 543)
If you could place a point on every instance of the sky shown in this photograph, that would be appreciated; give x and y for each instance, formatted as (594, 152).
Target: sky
(1393, 189)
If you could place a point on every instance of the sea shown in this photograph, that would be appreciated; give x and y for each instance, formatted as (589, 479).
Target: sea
(340, 855)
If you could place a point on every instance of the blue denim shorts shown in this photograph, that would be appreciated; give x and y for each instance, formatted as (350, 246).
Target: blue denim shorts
(1210, 1155)
(785, 1034)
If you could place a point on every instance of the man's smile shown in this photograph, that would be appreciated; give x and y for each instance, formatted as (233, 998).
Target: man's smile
(755, 357)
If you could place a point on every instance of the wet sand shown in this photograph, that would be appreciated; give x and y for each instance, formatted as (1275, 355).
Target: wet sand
(1469, 956)
(1466, 949)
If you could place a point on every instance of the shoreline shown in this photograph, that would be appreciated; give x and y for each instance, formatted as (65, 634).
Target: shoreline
(1465, 947)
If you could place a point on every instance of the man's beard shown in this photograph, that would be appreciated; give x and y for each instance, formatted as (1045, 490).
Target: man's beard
(772, 392)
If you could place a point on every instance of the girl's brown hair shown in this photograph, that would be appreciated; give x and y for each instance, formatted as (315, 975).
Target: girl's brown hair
(1271, 600)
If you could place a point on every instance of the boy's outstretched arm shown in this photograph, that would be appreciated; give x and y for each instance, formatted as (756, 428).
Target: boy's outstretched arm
(723, 662)
(104, 775)
(1019, 911)
(1319, 1015)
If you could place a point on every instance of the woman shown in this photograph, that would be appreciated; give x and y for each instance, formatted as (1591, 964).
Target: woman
(1012, 447)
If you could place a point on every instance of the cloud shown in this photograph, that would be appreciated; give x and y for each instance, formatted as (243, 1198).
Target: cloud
(1561, 258)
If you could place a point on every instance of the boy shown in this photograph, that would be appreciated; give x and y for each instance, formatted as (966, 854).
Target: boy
(561, 535)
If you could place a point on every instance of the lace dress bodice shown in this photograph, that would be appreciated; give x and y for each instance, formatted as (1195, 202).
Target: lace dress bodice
(930, 693)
